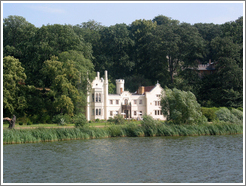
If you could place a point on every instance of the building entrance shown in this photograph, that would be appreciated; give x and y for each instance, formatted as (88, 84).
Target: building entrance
(126, 115)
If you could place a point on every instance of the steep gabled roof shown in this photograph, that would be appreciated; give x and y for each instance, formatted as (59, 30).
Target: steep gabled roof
(148, 88)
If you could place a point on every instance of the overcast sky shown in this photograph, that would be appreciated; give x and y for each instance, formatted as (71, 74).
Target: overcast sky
(111, 13)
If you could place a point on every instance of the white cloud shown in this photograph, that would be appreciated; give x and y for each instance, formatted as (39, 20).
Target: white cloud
(47, 9)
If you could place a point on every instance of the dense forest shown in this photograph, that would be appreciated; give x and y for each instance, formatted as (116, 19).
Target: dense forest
(46, 70)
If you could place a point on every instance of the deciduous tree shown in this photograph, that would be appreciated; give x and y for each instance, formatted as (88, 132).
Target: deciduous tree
(14, 101)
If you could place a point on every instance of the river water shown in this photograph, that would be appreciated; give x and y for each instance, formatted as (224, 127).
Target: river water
(193, 159)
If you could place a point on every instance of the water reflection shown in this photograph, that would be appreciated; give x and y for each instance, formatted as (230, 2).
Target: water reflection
(201, 159)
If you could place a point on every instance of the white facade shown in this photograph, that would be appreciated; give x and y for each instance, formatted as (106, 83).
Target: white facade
(101, 105)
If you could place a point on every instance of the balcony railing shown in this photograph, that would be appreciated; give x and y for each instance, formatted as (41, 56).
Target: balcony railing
(126, 107)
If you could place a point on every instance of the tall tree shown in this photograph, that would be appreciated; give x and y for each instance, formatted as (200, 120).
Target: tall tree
(51, 40)
(17, 31)
(62, 78)
(140, 31)
(225, 87)
(164, 20)
(177, 47)
(115, 45)
(14, 101)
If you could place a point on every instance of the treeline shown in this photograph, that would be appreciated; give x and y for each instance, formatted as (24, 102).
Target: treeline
(47, 69)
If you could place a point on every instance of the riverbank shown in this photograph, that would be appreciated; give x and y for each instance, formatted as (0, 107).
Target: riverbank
(129, 130)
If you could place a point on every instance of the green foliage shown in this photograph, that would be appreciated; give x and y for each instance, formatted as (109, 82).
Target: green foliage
(142, 53)
(115, 131)
(209, 113)
(14, 101)
(181, 107)
(79, 120)
(62, 122)
(20, 123)
(64, 117)
(119, 119)
(111, 87)
(240, 108)
(130, 130)
(29, 123)
(149, 125)
(224, 114)
(110, 120)
(237, 113)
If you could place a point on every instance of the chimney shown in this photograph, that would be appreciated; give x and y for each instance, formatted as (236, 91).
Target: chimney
(141, 90)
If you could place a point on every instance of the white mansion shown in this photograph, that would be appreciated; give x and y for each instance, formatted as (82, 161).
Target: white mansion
(101, 105)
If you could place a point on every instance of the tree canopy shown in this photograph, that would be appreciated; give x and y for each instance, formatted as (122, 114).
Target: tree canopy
(47, 70)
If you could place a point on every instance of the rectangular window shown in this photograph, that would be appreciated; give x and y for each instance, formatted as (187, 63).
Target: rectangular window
(135, 113)
(140, 113)
(92, 97)
(157, 103)
(99, 113)
(140, 101)
(117, 102)
(99, 97)
(111, 113)
(96, 97)
(111, 102)
(116, 112)
(158, 112)
(135, 101)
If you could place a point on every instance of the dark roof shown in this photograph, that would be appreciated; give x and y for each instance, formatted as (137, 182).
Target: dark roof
(148, 88)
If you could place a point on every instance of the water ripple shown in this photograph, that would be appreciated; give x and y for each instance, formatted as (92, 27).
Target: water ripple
(199, 159)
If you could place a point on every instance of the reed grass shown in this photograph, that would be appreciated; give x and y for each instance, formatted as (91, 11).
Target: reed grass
(128, 130)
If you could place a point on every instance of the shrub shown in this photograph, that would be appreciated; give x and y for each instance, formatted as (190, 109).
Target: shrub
(224, 114)
(240, 108)
(79, 120)
(97, 120)
(111, 120)
(20, 123)
(237, 113)
(209, 113)
(119, 119)
(62, 122)
(29, 123)
(57, 118)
